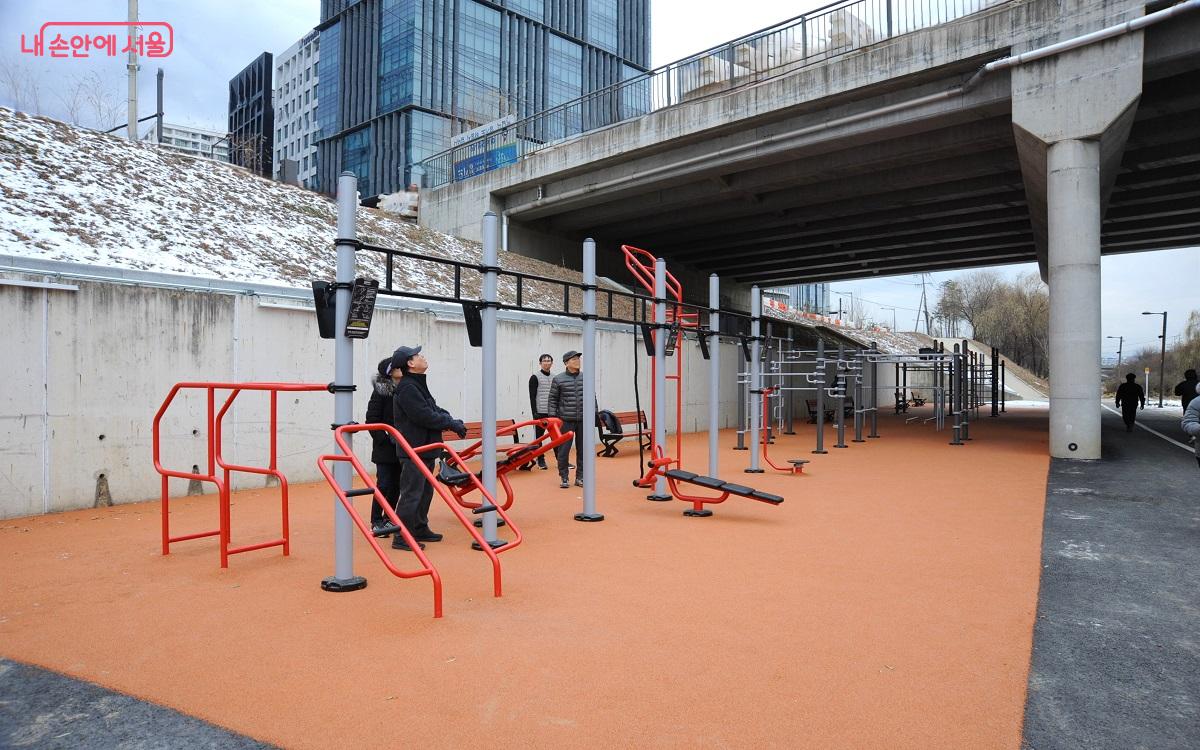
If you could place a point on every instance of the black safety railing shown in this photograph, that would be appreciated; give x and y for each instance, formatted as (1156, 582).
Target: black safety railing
(528, 293)
(814, 37)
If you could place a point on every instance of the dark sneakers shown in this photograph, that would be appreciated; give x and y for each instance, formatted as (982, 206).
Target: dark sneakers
(382, 529)
(578, 482)
(564, 484)
(399, 543)
(427, 535)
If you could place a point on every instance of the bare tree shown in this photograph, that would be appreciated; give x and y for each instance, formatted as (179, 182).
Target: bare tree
(21, 87)
(106, 107)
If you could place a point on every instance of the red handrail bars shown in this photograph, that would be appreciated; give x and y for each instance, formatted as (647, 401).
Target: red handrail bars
(516, 456)
(215, 459)
(377, 496)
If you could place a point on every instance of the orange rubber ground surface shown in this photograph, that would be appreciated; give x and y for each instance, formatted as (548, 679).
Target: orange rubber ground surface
(888, 603)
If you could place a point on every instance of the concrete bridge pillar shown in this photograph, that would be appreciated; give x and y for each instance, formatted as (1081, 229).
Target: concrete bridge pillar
(1071, 116)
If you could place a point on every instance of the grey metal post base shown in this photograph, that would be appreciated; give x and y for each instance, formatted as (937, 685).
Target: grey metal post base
(337, 585)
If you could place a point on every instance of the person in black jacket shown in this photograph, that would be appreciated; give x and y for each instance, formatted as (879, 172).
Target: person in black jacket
(566, 403)
(539, 401)
(1129, 394)
(383, 448)
(421, 422)
(1186, 390)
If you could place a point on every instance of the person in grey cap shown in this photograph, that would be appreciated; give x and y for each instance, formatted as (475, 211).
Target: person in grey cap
(421, 422)
(566, 402)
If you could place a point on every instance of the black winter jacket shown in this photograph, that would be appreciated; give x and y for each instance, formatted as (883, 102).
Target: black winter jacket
(379, 411)
(566, 396)
(418, 417)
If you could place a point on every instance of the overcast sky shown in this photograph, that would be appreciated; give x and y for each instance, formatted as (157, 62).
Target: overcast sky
(217, 38)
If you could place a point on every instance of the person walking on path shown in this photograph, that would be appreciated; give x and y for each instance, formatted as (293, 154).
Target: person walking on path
(1191, 421)
(421, 422)
(1186, 390)
(1129, 396)
(565, 401)
(539, 401)
(383, 448)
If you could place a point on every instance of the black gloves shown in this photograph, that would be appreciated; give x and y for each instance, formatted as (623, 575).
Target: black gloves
(458, 428)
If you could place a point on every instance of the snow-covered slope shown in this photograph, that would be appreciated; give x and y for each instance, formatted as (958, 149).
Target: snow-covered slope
(77, 195)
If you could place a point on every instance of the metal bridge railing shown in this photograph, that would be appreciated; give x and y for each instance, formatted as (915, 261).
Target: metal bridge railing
(814, 37)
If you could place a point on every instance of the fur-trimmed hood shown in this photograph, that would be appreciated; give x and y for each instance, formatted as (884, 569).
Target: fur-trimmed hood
(384, 386)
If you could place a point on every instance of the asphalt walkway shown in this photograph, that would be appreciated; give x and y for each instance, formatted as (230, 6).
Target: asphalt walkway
(1116, 657)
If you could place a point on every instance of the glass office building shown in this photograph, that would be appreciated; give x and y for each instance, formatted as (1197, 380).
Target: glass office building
(398, 78)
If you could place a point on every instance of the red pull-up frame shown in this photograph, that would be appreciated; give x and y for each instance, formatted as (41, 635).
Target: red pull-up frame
(214, 459)
(641, 264)
(372, 489)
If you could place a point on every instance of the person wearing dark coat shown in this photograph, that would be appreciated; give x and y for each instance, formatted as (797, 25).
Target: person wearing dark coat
(1129, 396)
(421, 422)
(539, 401)
(566, 402)
(1186, 390)
(383, 448)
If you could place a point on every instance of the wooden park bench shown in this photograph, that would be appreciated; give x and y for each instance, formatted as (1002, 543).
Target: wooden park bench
(635, 419)
(830, 411)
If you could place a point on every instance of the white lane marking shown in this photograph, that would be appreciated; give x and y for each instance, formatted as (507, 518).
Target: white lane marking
(1170, 440)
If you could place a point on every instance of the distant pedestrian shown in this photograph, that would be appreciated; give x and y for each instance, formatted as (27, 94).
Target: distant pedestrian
(421, 422)
(383, 447)
(1186, 390)
(539, 401)
(566, 403)
(1129, 396)
(1191, 421)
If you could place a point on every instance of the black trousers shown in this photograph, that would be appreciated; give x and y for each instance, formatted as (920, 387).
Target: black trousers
(416, 494)
(1129, 415)
(537, 433)
(563, 452)
(387, 476)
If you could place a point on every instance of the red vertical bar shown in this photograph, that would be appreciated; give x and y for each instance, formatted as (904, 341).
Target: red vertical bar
(166, 524)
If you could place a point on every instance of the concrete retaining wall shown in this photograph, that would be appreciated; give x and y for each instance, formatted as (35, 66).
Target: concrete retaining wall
(89, 367)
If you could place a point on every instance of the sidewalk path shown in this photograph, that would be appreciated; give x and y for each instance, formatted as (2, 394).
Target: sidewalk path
(1116, 657)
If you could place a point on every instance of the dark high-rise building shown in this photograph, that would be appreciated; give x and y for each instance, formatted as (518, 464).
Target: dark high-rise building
(399, 78)
(252, 117)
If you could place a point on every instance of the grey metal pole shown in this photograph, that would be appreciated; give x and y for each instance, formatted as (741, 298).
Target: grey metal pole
(158, 128)
(859, 414)
(491, 257)
(966, 390)
(821, 370)
(1003, 394)
(874, 392)
(660, 373)
(714, 373)
(756, 435)
(589, 385)
(343, 578)
(841, 399)
(131, 68)
(954, 376)
(742, 395)
(787, 367)
(995, 382)
(767, 380)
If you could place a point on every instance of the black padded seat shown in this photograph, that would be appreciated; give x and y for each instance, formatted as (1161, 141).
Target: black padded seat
(680, 474)
(766, 497)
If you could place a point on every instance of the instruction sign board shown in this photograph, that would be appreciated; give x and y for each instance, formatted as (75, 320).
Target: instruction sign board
(362, 307)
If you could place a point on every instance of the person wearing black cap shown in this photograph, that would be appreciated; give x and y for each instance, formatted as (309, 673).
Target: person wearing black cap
(421, 422)
(566, 403)
(383, 448)
(1129, 395)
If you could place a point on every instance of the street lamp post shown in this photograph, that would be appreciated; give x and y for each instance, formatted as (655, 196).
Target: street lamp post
(1162, 357)
(1120, 347)
(888, 307)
